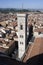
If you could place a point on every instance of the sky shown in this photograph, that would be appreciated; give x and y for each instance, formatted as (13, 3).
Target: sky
(32, 4)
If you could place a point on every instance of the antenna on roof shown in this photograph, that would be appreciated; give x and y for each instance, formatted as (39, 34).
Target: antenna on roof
(22, 6)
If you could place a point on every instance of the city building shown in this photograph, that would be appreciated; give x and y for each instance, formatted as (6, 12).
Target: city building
(22, 34)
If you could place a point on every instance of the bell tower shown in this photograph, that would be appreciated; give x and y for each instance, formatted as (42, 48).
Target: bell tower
(22, 33)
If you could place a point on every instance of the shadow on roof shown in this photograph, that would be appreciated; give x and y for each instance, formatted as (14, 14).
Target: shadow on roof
(36, 60)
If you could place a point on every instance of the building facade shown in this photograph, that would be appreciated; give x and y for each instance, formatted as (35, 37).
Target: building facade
(22, 34)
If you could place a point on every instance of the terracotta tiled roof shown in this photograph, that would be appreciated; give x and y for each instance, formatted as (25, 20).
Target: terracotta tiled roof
(35, 49)
(38, 30)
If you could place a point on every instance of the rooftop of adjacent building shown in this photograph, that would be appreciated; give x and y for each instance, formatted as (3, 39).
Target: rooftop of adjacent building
(35, 49)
